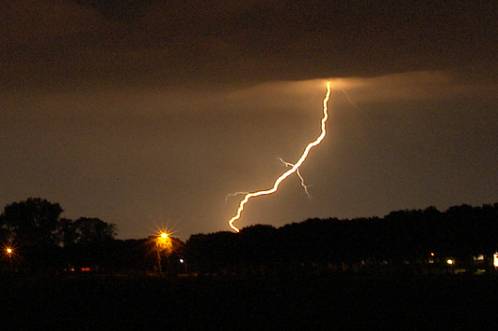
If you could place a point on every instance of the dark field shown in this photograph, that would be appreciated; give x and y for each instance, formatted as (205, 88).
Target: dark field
(406, 303)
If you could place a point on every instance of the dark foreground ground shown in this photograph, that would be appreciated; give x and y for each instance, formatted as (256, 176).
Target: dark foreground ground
(314, 303)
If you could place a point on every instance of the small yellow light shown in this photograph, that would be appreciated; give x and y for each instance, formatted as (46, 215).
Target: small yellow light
(163, 240)
(9, 251)
(495, 260)
(450, 261)
(432, 254)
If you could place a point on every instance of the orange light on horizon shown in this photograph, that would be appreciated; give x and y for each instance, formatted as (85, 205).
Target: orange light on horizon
(293, 168)
(163, 240)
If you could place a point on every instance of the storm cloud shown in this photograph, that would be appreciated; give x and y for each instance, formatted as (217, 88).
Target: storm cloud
(146, 113)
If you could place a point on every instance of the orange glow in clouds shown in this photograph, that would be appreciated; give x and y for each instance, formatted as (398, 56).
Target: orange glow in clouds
(293, 168)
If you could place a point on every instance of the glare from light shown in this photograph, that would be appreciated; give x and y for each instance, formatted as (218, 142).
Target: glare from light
(450, 261)
(9, 251)
(495, 260)
(163, 241)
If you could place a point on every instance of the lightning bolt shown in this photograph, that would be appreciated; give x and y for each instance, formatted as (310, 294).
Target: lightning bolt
(293, 168)
(298, 173)
(235, 194)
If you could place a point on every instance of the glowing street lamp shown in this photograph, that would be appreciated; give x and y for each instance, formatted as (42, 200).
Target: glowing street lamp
(162, 238)
(163, 243)
(9, 253)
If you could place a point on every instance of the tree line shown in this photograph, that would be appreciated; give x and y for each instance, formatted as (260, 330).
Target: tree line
(40, 240)
(43, 240)
(406, 237)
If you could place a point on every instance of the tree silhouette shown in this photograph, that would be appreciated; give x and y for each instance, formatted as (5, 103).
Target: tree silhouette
(44, 240)
(31, 226)
(32, 222)
(92, 230)
(401, 238)
(66, 232)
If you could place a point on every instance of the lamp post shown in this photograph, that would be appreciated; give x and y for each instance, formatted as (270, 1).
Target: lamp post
(163, 242)
(9, 252)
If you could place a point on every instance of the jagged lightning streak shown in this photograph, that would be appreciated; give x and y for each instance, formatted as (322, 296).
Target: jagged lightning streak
(293, 169)
(298, 173)
(287, 164)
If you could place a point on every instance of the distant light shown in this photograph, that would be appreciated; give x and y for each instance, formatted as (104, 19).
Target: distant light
(164, 240)
(86, 269)
(432, 254)
(495, 260)
(480, 271)
(479, 257)
(450, 261)
(9, 251)
(182, 260)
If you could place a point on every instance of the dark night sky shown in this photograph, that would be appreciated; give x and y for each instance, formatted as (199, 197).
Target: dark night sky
(147, 113)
